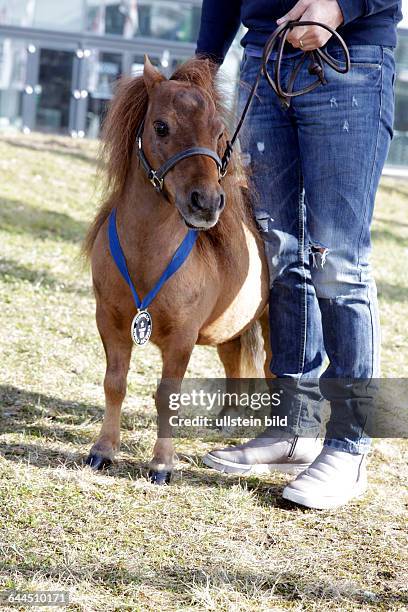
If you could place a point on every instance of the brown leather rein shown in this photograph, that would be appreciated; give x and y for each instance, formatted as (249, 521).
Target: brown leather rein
(317, 59)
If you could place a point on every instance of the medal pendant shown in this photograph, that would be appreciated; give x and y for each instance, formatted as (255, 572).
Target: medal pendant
(141, 328)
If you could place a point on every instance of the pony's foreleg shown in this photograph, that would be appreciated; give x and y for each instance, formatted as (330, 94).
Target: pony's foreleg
(118, 349)
(175, 361)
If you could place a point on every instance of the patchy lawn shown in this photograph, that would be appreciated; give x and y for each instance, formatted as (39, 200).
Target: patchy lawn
(114, 541)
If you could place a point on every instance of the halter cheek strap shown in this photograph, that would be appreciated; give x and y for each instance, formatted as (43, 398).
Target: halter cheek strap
(156, 177)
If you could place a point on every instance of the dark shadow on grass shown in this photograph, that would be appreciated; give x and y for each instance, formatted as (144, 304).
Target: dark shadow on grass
(267, 492)
(390, 221)
(21, 408)
(389, 237)
(287, 585)
(19, 217)
(53, 419)
(394, 187)
(54, 147)
(392, 293)
(40, 456)
(181, 581)
(11, 270)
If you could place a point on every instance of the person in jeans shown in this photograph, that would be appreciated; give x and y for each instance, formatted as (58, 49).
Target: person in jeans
(316, 166)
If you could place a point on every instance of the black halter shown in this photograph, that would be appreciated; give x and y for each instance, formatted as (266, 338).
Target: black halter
(317, 58)
(156, 177)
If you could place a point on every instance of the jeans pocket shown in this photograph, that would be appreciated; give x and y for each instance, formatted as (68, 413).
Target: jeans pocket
(389, 51)
(361, 56)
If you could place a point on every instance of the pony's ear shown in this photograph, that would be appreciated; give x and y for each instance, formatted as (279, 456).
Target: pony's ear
(151, 75)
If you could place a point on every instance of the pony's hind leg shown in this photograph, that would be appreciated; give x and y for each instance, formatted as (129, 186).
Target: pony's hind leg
(264, 321)
(118, 349)
(243, 358)
(230, 354)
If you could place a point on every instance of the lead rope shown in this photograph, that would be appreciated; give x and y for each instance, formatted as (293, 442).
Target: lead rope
(317, 60)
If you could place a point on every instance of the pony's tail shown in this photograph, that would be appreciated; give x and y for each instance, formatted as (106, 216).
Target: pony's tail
(252, 352)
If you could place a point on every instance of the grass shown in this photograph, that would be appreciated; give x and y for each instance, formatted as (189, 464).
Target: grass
(114, 541)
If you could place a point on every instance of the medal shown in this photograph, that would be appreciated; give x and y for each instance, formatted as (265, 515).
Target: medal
(141, 328)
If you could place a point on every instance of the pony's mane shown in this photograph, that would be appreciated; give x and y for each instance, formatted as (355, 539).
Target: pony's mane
(124, 116)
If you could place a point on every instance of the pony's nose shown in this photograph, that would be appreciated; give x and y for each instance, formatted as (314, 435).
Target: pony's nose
(203, 201)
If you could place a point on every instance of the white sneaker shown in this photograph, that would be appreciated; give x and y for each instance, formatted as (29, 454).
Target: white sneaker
(334, 478)
(264, 455)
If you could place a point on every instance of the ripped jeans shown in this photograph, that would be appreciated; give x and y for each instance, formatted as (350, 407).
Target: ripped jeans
(315, 169)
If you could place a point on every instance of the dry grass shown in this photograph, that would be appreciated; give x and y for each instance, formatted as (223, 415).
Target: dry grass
(207, 542)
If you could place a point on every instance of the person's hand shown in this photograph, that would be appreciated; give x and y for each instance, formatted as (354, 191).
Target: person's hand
(312, 37)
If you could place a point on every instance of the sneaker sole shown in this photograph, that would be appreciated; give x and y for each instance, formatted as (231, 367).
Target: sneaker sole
(330, 503)
(258, 469)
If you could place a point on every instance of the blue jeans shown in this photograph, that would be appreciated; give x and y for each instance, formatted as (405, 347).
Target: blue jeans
(315, 169)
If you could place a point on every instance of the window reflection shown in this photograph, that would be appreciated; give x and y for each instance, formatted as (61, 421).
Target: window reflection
(54, 89)
(17, 12)
(168, 20)
(57, 15)
(163, 19)
(13, 60)
(103, 72)
(131, 18)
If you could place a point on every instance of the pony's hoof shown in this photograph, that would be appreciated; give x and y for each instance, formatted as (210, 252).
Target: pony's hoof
(98, 462)
(160, 477)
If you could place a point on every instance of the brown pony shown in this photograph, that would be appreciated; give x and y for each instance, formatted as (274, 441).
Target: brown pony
(218, 297)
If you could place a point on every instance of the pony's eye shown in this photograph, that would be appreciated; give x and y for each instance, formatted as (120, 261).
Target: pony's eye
(161, 128)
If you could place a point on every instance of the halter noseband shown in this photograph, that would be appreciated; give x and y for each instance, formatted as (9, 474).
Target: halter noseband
(156, 177)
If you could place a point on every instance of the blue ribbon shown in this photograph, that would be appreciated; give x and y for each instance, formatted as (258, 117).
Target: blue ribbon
(177, 261)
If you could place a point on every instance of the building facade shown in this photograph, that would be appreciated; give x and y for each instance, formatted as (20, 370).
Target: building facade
(59, 60)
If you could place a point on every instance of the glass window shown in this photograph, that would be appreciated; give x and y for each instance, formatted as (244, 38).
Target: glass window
(168, 20)
(13, 61)
(399, 147)
(163, 19)
(95, 17)
(104, 70)
(17, 12)
(118, 17)
(54, 90)
(66, 15)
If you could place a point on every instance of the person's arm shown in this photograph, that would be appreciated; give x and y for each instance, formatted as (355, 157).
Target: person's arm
(220, 20)
(353, 9)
